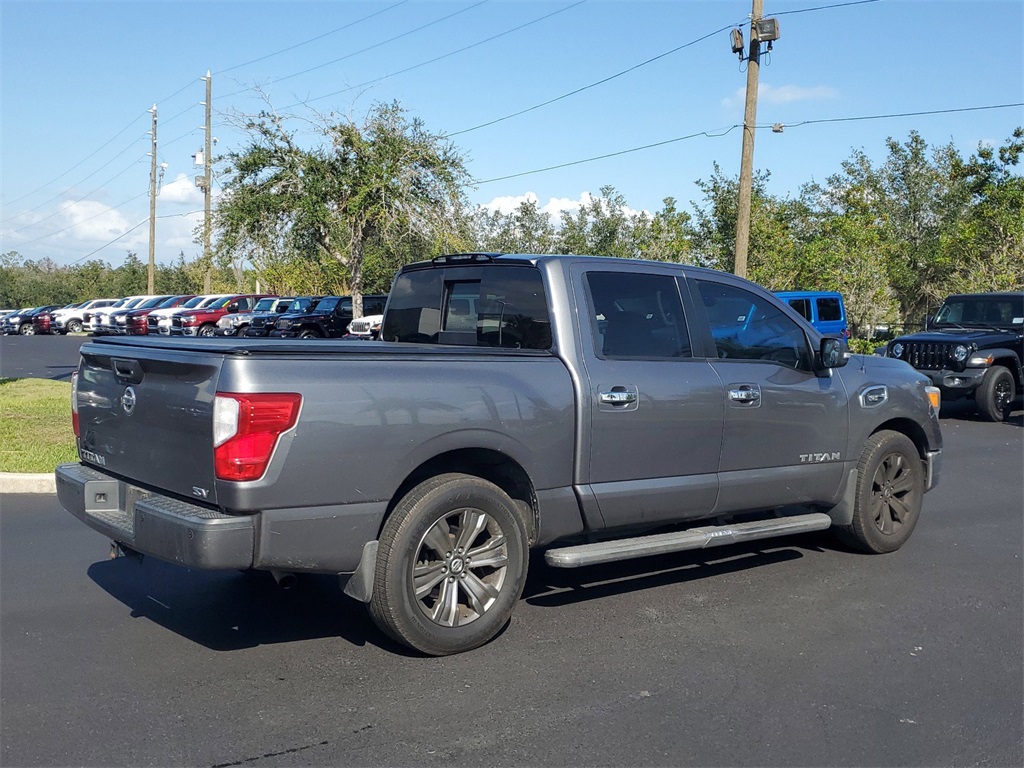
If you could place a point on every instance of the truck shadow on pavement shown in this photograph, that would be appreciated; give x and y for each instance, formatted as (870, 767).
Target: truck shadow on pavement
(231, 610)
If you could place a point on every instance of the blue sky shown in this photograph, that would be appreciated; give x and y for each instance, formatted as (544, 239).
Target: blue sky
(78, 77)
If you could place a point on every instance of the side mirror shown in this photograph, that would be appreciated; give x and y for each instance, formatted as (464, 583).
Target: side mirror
(832, 353)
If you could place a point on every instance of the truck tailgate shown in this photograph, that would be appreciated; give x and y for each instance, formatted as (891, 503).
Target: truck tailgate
(146, 413)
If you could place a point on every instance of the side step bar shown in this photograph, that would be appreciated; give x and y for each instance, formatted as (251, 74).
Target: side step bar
(694, 538)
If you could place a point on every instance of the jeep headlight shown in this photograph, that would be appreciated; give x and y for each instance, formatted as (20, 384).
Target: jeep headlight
(959, 353)
(897, 350)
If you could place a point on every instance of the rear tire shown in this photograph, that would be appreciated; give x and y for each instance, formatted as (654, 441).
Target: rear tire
(451, 565)
(995, 395)
(890, 489)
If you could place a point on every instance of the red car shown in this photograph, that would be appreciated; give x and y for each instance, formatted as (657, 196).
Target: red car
(136, 320)
(203, 322)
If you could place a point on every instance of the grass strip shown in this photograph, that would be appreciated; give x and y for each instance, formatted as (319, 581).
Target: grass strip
(35, 425)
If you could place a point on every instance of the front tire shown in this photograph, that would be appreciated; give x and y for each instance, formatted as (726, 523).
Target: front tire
(206, 330)
(451, 565)
(995, 394)
(890, 489)
(74, 326)
(27, 329)
(309, 335)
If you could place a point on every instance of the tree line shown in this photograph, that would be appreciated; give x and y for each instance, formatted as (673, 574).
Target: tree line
(341, 206)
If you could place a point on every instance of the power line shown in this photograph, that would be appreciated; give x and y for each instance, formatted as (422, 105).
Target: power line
(368, 48)
(594, 84)
(80, 162)
(106, 245)
(825, 7)
(611, 154)
(442, 56)
(899, 114)
(80, 181)
(312, 39)
(738, 125)
(81, 199)
(75, 224)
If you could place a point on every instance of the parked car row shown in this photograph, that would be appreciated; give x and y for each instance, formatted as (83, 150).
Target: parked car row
(246, 315)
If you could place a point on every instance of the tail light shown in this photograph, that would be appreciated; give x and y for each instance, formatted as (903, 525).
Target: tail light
(246, 428)
(74, 404)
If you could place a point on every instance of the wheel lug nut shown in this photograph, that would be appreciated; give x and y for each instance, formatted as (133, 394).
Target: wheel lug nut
(448, 555)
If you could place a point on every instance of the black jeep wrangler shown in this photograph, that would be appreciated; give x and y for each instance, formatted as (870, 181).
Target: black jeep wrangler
(329, 319)
(973, 347)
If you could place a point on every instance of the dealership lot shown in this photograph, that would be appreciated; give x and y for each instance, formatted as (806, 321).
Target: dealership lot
(793, 652)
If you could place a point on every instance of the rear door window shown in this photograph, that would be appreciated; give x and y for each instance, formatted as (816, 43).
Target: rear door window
(803, 306)
(829, 309)
(637, 315)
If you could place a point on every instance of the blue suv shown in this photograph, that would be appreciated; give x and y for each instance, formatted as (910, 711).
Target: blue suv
(822, 309)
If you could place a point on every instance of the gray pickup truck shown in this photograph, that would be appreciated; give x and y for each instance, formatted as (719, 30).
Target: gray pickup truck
(597, 409)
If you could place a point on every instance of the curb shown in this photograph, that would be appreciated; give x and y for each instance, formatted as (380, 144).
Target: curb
(23, 482)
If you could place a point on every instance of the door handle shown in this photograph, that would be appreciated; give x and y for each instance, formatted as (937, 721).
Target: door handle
(745, 394)
(617, 398)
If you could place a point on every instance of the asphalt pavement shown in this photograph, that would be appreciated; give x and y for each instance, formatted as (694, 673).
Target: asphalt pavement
(47, 356)
(785, 652)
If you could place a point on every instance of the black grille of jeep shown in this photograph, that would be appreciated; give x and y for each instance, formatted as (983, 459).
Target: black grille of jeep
(928, 356)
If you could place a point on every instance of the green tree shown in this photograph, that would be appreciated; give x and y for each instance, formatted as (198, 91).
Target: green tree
(601, 227)
(527, 229)
(667, 236)
(778, 231)
(387, 181)
(987, 248)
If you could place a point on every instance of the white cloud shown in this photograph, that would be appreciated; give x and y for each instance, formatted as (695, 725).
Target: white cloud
(177, 232)
(783, 94)
(182, 190)
(92, 221)
(509, 203)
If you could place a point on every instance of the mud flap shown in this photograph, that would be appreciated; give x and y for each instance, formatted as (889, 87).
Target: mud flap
(360, 584)
(842, 513)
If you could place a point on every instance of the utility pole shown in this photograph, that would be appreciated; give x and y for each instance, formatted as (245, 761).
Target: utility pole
(747, 156)
(207, 157)
(152, 209)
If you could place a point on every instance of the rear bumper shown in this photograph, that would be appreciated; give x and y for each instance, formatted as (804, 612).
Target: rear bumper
(156, 525)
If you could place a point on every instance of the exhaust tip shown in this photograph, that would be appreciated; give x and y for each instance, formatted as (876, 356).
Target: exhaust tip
(284, 579)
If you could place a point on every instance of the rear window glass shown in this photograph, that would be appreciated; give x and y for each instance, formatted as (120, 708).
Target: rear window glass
(506, 307)
(828, 309)
(803, 306)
